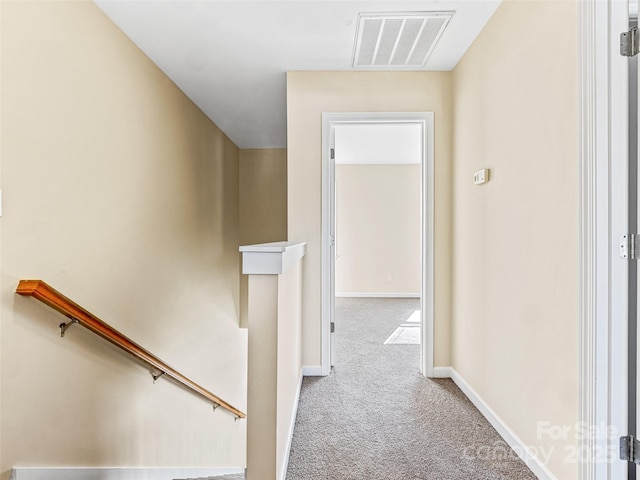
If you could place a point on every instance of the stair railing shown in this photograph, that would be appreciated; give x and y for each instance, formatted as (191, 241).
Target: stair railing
(78, 315)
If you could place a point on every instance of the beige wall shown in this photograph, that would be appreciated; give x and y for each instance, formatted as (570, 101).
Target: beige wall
(120, 193)
(289, 365)
(263, 195)
(262, 419)
(515, 270)
(263, 204)
(308, 95)
(378, 229)
(275, 369)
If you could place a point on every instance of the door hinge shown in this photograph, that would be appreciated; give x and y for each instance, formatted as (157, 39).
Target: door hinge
(333, 327)
(630, 449)
(333, 154)
(628, 248)
(629, 43)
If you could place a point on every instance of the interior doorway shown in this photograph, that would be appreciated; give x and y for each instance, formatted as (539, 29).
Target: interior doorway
(377, 224)
(418, 129)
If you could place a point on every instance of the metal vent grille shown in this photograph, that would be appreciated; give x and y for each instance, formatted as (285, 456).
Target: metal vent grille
(397, 39)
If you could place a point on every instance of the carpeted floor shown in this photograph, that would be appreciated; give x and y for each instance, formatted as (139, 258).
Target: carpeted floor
(377, 418)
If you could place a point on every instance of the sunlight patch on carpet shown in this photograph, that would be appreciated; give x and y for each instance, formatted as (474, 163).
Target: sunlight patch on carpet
(408, 333)
(414, 318)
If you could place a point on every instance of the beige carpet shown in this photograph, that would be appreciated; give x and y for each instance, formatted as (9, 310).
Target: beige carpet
(377, 418)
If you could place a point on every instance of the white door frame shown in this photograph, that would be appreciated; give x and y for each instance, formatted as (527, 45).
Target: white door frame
(426, 120)
(603, 218)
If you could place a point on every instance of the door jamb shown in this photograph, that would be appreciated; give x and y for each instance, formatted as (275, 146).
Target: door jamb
(603, 218)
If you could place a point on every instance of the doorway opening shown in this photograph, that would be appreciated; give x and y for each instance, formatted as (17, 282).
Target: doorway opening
(413, 132)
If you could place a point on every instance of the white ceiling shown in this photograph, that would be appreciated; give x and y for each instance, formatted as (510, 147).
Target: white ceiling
(231, 56)
(378, 143)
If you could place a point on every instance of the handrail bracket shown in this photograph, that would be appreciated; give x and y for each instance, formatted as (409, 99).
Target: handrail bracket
(65, 326)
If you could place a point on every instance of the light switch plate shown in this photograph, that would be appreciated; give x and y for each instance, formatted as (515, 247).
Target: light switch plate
(481, 176)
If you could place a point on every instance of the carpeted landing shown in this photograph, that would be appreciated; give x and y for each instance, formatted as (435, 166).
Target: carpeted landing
(376, 418)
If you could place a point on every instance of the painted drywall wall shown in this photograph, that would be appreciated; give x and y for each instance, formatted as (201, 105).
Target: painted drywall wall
(515, 268)
(309, 94)
(263, 195)
(275, 370)
(378, 229)
(121, 194)
(289, 365)
(263, 204)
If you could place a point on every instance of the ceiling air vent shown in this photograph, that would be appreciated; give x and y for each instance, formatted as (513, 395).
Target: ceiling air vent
(396, 40)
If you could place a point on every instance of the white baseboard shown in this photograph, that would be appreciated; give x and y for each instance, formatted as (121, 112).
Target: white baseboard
(285, 459)
(113, 473)
(442, 372)
(312, 371)
(376, 295)
(514, 441)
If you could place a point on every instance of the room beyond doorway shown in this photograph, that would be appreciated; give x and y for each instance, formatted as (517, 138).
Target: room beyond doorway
(378, 191)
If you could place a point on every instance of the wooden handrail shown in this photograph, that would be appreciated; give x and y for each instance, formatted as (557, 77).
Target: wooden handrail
(54, 299)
